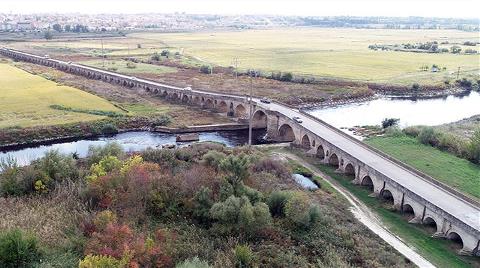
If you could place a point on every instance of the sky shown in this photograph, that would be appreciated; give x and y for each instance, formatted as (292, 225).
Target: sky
(396, 8)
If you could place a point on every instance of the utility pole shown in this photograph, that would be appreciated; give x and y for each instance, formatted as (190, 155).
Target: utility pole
(103, 53)
(235, 63)
(250, 102)
(458, 72)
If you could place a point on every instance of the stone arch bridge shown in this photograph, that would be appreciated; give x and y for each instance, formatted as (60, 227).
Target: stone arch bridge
(450, 214)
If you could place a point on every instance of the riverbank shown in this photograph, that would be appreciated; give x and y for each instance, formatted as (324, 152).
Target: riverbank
(69, 133)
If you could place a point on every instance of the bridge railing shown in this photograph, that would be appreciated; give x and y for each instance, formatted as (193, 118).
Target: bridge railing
(413, 170)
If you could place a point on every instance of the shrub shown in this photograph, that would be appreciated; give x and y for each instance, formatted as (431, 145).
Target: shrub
(277, 201)
(120, 242)
(162, 120)
(275, 167)
(415, 87)
(109, 129)
(107, 164)
(203, 202)
(390, 122)
(101, 261)
(235, 214)
(55, 167)
(206, 69)
(287, 77)
(237, 169)
(97, 153)
(165, 53)
(213, 158)
(160, 156)
(131, 65)
(253, 195)
(18, 249)
(474, 147)
(193, 263)
(244, 256)
(412, 131)
(429, 136)
(299, 211)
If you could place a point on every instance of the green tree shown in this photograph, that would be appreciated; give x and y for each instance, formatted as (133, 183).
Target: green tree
(237, 169)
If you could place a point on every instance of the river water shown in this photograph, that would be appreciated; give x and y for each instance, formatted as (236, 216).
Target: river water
(130, 141)
(410, 112)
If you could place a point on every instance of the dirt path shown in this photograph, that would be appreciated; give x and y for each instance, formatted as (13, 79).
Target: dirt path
(368, 217)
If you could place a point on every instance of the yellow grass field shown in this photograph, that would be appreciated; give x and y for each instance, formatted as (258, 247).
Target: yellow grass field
(25, 99)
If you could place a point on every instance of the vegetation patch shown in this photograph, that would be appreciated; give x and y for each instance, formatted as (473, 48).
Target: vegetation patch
(86, 111)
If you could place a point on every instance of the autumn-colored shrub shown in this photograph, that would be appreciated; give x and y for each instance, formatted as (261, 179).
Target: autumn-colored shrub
(273, 166)
(102, 261)
(97, 153)
(120, 242)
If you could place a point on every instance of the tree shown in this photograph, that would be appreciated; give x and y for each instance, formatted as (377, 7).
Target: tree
(389, 122)
(68, 28)
(237, 167)
(455, 49)
(48, 35)
(57, 27)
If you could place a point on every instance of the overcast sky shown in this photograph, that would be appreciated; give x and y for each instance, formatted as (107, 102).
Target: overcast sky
(400, 8)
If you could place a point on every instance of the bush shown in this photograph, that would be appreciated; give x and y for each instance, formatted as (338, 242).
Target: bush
(206, 69)
(474, 147)
(213, 158)
(156, 57)
(193, 263)
(202, 204)
(160, 156)
(54, 167)
(165, 53)
(253, 195)
(244, 256)
(277, 202)
(237, 169)
(102, 261)
(162, 120)
(131, 65)
(299, 211)
(18, 249)
(109, 129)
(238, 214)
(390, 122)
(412, 131)
(97, 153)
(275, 167)
(429, 136)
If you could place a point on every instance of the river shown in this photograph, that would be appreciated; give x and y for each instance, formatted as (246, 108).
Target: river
(130, 141)
(410, 111)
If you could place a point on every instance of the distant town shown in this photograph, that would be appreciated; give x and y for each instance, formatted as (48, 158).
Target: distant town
(191, 22)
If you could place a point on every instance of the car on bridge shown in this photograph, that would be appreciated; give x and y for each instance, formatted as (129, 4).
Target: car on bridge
(297, 119)
(265, 100)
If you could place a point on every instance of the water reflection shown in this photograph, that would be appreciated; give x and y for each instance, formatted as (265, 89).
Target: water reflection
(131, 142)
(411, 112)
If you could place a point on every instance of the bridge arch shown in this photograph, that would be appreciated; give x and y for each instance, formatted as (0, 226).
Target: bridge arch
(209, 104)
(241, 111)
(259, 119)
(285, 133)
(174, 96)
(431, 224)
(222, 107)
(408, 211)
(333, 160)
(305, 143)
(164, 94)
(350, 170)
(387, 196)
(185, 99)
(320, 152)
(196, 100)
(456, 238)
(368, 182)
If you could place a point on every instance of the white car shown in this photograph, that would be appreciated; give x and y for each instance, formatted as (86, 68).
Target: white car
(265, 100)
(297, 119)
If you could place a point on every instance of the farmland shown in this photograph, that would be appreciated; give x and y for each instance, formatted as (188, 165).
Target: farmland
(338, 53)
(26, 99)
(318, 52)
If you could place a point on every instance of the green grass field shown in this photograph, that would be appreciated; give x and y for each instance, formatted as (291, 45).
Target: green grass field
(339, 53)
(438, 251)
(25, 99)
(447, 168)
